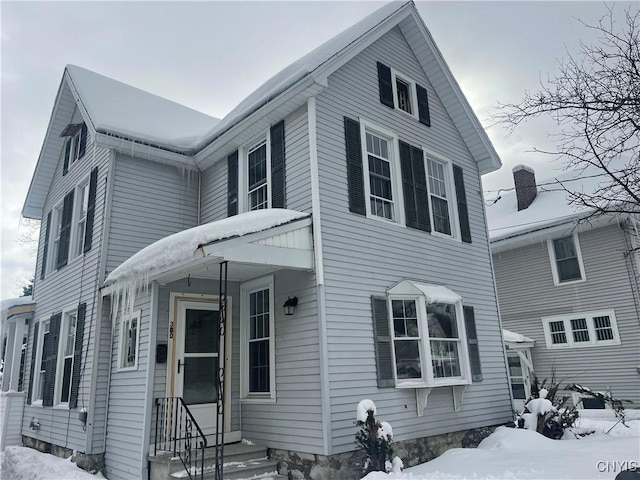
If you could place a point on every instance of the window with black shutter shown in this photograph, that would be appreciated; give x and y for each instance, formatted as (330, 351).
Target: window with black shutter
(278, 199)
(50, 360)
(77, 355)
(414, 184)
(463, 211)
(63, 239)
(232, 184)
(355, 180)
(382, 342)
(90, 211)
(45, 247)
(76, 144)
(472, 343)
(401, 93)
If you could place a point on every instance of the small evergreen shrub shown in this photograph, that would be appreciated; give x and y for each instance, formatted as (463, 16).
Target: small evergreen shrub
(375, 438)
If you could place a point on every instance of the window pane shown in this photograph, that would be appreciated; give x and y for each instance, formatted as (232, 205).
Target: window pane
(557, 332)
(603, 328)
(259, 314)
(404, 97)
(580, 330)
(257, 166)
(200, 380)
(441, 318)
(564, 248)
(405, 320)
(444, 358)
(259, 366)
(408, 359)
(569, 269)
(201, 331)
(517, 388)
(515, 369)
(71, 335)
(440, 210)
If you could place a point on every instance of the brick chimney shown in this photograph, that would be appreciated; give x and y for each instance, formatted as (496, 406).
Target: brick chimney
(524, 179)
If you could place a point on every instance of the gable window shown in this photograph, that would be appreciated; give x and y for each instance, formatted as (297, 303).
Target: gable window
(404, 95)
(76, 144)
(129, 342)
(82, 207)
(441, 198)
(566, 260)
(587, 329)
(40, 364)
(66, 355)
(400, 93)
(258, 340)
(381, 169)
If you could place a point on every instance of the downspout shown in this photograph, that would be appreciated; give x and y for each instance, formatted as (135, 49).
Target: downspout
(325, 392)
(151, 370)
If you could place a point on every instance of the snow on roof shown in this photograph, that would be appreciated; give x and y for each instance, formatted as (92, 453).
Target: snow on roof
(550, 207)
(9, 303)
(182, 246)
(118, 108)
(513, 337)
(303, 66)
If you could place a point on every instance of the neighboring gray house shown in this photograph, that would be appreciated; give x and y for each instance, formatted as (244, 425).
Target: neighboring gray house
(571, 287)
(323, 243)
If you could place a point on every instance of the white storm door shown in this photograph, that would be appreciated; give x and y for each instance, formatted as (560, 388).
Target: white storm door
(197, 356)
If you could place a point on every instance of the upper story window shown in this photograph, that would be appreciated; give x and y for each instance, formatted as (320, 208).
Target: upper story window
(66, 356)
(404, 94)
(584, 329)
(76, 144)
(397, 91)
(257, 177)
(440, 196)
(566, 260)
(40, 366)
(82, 207)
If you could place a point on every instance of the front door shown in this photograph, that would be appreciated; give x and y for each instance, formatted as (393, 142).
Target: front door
(197, 356)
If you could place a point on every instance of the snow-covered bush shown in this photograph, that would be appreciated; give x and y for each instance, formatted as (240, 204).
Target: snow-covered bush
(617, 405)
(375, 438)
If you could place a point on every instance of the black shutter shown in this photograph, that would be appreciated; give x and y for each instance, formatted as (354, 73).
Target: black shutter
(472, 343)
(232, 184)
(77, 355)
(65, 231)
(278, 189)
(91, 208)
(414, 183)
(34, 348)
(67, 154)
(463, 211)
(354, 166)
(382, 342)
(83, 140)
(423, 106)
(45, 248)
(51, 360)
(386, 87)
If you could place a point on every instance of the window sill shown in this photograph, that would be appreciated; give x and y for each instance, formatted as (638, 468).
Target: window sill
(61, 406)
(250, 400)
(445, 236)
(585, 345)
(422, 384)
(127, 369)
(404, 112)
(37, 403)
(569, 282)
(385, 221)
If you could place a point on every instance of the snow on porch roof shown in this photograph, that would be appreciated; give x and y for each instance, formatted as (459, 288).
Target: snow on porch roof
(13, 306)
(183, 246)
(512, 337)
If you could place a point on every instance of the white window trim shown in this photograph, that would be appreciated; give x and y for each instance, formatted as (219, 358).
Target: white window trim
(243, 169)
(452, 200)
(62, 339)
(428, 380)
(413, 92)
(39, 344)
(122, 344)
(396, 176)
(76, 243)
(554, 263)
(593, 342)
(246, 289)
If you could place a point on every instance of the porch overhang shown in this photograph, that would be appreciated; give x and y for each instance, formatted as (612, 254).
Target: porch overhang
(255, 243)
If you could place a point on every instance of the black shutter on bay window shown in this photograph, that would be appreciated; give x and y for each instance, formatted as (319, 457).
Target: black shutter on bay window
(385, 84)
(51, 360)
(65, 231)
(34, 348)
(232, 184)
(414, 185)
(67, 155)
(278, 188)
(77, 355)
(463, 211)
(423, 105)
(45, 247)
(355, 180)
(83, 140)
(472, 343)
(382, 341)
(91, 208)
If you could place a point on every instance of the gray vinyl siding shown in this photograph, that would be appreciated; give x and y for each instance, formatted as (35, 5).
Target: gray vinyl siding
(151, 200)
(363, 257)
(71, 285)
(297, 179)
(527, 293)
(126, 402)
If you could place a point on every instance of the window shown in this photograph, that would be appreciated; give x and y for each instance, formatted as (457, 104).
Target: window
(516, 377)
(257, 348)
(40, 364)
(428, 336)
(382, 188)
(575, 330)
(441, 199)
(75, 146)
(82, 206)
(566, 260)
(65, 356)
(129, 342)
(257, 178)
(404, 94)
(56, 231)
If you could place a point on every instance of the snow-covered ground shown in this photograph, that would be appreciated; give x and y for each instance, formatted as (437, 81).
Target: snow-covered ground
(523, 454)
(506, 454)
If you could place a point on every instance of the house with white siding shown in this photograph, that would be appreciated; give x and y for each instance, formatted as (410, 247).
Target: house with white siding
(569, 287)
(203, 281)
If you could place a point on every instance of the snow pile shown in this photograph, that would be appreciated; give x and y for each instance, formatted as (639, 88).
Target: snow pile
(438, 294)
(385, 431)
(394, 466)
(21, 463)
(364, 407)
(537, 407)
(513, 337)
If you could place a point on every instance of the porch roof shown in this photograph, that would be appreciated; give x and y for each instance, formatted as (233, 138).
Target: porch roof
(515, 339)
(273, 238)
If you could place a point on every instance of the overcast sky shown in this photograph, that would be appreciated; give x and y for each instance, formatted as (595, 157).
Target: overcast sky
(210, 55)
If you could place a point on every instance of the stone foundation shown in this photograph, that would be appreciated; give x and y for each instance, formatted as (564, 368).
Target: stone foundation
(348, 466)
(91, 463)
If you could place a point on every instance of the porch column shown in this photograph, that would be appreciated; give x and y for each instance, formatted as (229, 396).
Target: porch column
(19, 331)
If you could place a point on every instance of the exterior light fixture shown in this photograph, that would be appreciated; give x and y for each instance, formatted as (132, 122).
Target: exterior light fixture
(290, 305)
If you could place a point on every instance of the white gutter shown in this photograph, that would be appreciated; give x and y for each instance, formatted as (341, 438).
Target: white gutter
(325, 392)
